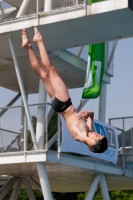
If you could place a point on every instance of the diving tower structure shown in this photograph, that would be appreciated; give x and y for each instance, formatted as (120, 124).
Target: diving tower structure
(63, 24)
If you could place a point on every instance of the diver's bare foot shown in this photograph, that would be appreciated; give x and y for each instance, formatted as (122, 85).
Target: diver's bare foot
(37, 37)
(25, 40)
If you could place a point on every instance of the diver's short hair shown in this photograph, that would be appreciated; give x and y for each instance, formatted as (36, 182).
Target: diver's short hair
(101, 146)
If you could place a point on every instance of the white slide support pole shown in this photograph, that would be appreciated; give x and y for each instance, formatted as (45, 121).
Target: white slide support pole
(44, 181)
(29, 190)
(41, 115)
(17, 188)
(103, 187)
(93, 187)
(48, 5)
(22, 91)
(23, 7)
(102, 102)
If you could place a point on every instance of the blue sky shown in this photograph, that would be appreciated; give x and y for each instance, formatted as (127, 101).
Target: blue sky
(119, 92)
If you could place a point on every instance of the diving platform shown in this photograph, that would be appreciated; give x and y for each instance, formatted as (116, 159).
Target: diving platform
(79, 25)
(66, 173)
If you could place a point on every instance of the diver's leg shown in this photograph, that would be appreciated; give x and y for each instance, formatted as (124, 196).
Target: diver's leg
(36, 64)
(58, 85)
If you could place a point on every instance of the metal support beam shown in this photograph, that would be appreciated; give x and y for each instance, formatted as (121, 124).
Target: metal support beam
(17, 188)
(103, 187)
(44, 181)
(48, 5)
(33, 182)
(96, 193)
(29, 190)
(112, 54)
(10, 104)
(102, 102)
(23, 8)
(93, 187)
(79, 49)
(37, 5)
(22, 91)
(7, 186)
(41, 115)
(25, 131)
(10, 144)
(23, 140)
(77, 2)
(71, 58)
(2, 9)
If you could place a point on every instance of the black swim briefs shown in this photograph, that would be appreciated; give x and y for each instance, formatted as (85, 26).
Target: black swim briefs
(60, 106)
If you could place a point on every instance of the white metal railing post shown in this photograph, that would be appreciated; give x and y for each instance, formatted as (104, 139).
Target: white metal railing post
(25, 131)
(93, 187)
(37, 6)
(22, 91)
(102, 102)
(103, 187)
(77, 2)
(23, 8)
(48, 5)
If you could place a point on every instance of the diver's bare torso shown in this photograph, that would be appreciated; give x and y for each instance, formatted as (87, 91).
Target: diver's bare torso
(74, 122)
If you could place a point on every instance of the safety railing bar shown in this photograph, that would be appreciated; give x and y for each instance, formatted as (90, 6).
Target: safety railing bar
(119, 129)
(28, 105)
(9, 131)
(120, 118)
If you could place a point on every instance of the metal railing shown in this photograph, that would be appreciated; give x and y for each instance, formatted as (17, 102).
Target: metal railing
(15, 134)
(38, 6)
(124, 127)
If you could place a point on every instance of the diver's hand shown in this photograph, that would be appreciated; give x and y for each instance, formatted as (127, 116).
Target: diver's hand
(86, 114)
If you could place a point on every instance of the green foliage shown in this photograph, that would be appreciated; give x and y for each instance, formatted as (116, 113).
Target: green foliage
(52, 129)
(23, 195)
(81, 196)
(118, 195)
(94, 1)
(67, 196)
